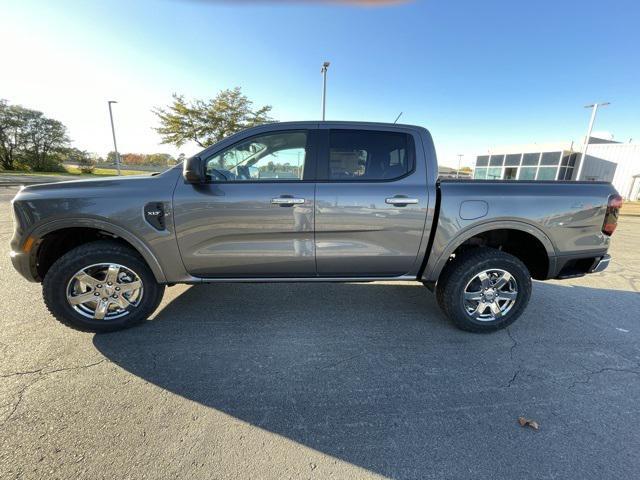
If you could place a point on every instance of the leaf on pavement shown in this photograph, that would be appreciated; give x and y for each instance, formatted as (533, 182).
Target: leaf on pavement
(524, 422)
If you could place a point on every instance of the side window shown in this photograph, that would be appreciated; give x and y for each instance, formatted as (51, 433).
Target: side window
(367, 155)
(269, 157)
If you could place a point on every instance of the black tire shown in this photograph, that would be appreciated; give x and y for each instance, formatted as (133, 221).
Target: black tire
(54, 286)
(463, 269)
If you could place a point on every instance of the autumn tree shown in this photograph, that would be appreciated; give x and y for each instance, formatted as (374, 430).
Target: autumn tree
(206, 122)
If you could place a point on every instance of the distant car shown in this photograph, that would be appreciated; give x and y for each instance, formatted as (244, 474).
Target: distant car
(307, 202)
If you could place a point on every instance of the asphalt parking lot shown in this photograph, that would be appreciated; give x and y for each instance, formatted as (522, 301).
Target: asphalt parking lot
(326, 381)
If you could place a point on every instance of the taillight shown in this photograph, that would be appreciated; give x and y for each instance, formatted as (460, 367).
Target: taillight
(611, 217)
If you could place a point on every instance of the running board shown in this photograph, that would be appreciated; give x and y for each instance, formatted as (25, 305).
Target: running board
(402, 278)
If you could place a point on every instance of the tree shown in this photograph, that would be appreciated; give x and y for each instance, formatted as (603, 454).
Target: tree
(45, 138)
(111, 157)
(12, 135)
(160, 159)
(86, 162)
(133, 159)
(207, 122)
(29, 138)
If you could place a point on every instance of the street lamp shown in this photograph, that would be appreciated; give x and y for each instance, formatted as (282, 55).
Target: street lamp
(113, 132)
(460, 155)
(324, 69)
(585, 145)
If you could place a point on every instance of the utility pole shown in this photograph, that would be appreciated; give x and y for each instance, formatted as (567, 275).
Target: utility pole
(460, 155)
(325, 67)
(585, 145)
(113, 132)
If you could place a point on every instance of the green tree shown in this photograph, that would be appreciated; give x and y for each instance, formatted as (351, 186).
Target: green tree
(206, 122)
(86, 162)
(12, 134)
(160, 159)
(46, 139)
(29, 138)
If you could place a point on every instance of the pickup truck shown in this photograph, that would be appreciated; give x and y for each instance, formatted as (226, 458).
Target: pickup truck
(307, 202)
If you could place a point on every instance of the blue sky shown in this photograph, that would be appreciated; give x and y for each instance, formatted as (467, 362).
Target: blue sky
(475, 73)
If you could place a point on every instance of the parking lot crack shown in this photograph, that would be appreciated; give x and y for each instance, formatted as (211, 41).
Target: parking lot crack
(514, 345)
(592, 373)
(43, 371)
(18, 401)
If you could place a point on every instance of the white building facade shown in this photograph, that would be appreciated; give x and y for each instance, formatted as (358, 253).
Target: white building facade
(618, 163)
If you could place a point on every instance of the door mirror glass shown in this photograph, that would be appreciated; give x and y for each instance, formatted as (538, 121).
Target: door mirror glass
(193, 171)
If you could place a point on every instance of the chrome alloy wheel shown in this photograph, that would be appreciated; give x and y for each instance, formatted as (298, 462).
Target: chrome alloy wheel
(491, 294)
(104, 291)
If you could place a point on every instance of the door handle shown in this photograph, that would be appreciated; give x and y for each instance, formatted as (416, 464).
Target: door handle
(286, 201)
(401, 201)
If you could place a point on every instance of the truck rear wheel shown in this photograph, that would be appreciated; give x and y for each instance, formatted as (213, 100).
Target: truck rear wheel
(484, 289)
(101, 286)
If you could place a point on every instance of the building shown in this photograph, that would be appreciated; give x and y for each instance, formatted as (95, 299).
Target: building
(448, 172)
(618, 163)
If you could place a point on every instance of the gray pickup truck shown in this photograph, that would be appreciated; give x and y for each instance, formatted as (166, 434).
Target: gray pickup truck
(307, 202)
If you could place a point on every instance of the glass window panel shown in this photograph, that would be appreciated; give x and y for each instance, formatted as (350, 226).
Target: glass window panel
(480, 173)
(573, 159)
(562, 172)
(565, 160)
(496, 160)
(367, 155)
(569, 174)
(527, 173)
(530, 159)
(269, 157)
(494, 174)
(510, 173)
(550, 158)
(547, 173)
(512, 160)
(482, 161)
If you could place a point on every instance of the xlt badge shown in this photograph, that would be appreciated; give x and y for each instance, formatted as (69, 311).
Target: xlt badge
(154, 215)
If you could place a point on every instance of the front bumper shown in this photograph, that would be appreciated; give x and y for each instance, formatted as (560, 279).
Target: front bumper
(22, 263)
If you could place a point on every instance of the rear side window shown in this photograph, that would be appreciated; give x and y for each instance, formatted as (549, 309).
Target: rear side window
(366, 155)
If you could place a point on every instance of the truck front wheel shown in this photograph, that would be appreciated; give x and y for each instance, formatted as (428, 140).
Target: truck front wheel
(101, 287)
(484, 289)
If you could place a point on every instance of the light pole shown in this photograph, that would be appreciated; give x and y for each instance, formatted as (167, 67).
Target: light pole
(113, 132)
(325, 67)
(460, 155)
(585, 145)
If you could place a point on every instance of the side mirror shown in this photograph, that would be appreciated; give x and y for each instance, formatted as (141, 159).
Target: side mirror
(193, 170)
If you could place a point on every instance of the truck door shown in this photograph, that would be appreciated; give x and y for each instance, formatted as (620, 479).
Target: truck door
(254, 217)
(371, 202)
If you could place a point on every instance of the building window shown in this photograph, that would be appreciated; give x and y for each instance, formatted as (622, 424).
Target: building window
(494, 173)
(530, 159)
(547, 173)
(512, 160)
(496, 160)
(550, 158)
(510, 173)
(527, 173)
(482, 161)
(480, 174)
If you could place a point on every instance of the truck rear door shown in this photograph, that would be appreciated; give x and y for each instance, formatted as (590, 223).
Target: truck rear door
(371, 201)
